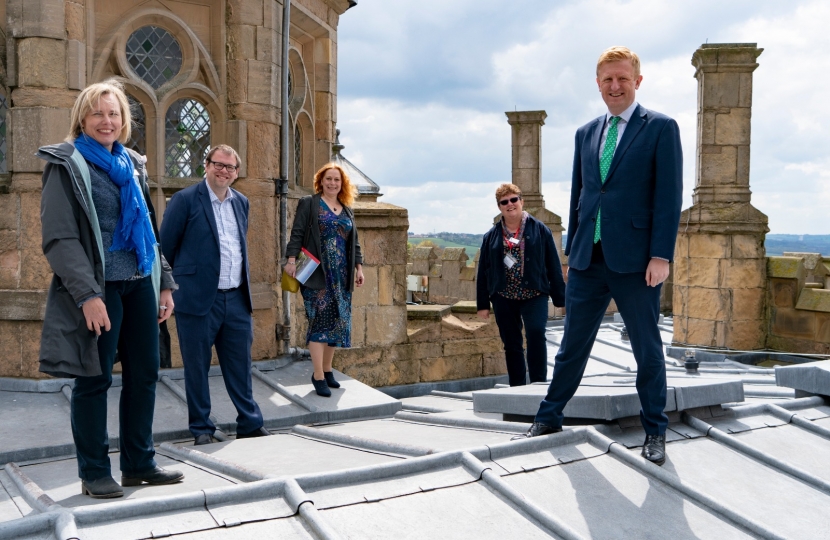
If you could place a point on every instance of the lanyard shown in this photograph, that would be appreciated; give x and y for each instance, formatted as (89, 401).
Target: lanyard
(504, 232)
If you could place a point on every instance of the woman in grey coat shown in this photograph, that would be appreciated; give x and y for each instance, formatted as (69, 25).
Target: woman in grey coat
(110, 290)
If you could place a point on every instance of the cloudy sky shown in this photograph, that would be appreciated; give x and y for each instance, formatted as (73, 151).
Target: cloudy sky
(423, 87)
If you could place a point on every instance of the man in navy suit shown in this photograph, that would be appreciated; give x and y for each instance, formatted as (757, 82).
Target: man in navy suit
(625, 208)
(203, 239)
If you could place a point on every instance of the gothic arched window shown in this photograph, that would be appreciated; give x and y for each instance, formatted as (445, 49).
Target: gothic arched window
(187, 138)
(154, 54)
(298, 156)
(138, 134)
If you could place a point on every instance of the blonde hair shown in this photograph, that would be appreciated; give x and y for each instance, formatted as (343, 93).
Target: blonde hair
(348, 191)
(617, 53)
(507, 189)
(88, 99)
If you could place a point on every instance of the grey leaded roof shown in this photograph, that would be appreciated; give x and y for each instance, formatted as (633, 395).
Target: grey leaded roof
(365, 185)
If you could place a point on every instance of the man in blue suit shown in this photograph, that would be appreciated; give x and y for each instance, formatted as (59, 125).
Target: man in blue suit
(625, 208)
(203, 239)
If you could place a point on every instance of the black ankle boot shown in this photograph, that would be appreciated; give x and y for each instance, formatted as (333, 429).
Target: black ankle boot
(320, 387)
(330, 380)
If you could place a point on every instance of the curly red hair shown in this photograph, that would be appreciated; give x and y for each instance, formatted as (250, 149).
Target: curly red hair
(348, 191)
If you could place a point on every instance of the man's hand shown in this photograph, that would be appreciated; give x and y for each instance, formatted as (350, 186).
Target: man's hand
(95, 313)
(657, 272)
(165, 305)
(484, 314)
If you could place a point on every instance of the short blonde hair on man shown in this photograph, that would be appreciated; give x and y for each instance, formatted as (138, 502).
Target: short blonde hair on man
(88, 100)
(348, 191)
(507, 189)
(225, 149)
(617, 53)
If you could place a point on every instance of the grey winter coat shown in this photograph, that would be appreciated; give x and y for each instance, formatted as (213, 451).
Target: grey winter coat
(72, 245)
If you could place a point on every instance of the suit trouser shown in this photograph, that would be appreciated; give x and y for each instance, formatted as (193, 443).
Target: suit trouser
(587, 297)
(133, 312)
(509, 316)
(228, 326)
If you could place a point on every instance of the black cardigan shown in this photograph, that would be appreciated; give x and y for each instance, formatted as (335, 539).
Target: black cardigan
(307, 210)
(542, 272)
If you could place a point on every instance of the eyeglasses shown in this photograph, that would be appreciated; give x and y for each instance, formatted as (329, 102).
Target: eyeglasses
(222, 166)
(511, 200)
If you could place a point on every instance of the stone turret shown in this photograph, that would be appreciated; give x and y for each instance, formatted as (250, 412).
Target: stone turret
(720, 265)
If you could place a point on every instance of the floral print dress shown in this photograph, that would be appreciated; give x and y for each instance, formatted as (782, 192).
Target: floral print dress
(329, 310)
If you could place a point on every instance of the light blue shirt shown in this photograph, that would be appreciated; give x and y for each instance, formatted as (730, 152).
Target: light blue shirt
(230, 246)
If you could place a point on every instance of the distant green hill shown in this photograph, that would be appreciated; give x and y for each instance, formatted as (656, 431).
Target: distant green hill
(777, 244)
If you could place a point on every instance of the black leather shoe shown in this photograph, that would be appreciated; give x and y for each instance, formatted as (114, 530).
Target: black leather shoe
(204, 438)
(320, 387)
(154, 477)
(654, 449)
(330, 380)
(537, 429)
(103, 488)
(261, 432)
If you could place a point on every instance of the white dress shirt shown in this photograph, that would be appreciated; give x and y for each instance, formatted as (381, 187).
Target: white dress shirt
(230, 246)
(625, 116)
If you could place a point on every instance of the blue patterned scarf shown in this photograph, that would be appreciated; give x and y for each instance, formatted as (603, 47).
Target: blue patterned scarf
(133, 232)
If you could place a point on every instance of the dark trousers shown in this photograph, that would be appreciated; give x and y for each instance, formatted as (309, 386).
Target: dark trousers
(587, 297)
(133, 311)
(229, 327)
(510, 314)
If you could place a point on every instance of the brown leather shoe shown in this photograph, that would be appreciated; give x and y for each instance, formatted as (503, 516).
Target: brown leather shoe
(537, 429)
(654, 449)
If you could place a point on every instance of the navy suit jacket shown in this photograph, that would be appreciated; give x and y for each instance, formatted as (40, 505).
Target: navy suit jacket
(640, 199)
(190, 243)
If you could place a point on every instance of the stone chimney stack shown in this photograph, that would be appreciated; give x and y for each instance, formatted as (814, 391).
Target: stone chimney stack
(527, 167)
(720, 261)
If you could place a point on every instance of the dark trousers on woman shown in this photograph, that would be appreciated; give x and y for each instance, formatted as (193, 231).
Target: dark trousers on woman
(133, 311)
(510, 314)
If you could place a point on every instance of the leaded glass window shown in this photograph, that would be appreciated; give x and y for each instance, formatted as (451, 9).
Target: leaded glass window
(138, 135)
(154, 54)
(187, 138)
(298, 157)
(4, 106)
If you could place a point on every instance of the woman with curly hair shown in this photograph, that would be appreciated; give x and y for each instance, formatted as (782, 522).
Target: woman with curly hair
(324, 225)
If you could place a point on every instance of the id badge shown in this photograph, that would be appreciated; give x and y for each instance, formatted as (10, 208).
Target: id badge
(509, 261)
(513, 241)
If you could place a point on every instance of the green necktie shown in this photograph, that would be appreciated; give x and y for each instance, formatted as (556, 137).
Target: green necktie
(605, 162)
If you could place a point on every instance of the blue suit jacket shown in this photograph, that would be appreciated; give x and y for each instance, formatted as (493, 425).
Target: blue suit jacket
(190, 243)
(640, 199)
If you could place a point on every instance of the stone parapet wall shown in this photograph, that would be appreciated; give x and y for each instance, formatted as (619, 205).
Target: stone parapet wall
(442, 343)
(798, 313)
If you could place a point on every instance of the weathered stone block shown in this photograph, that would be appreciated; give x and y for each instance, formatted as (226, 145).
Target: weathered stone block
(358, 326)
(785, 267)
(42, 126)
(742, 175)
(386, 325)
(823, 324)
(721, 89)
(367, 295)
(75, 21)
(17, 305)
(733, 128)
(265, 341)
(423, 330)
(745, 335)
(385, 285)
(493, 364)
(748, 304)
(704, 332)
(814, 300)
(36, 18)
(356, 356)
(244, 12)
(701, 272)
(472, 346)
(743, 273)
(241, 41)
(707, 127)
(381, 247)
(41, 62)
(709, 304)
(714, 246)
(76, 64)
(783, 292)
(237, 84)
(746, 246)
(720, 168)
(262, 82)
(447, 368)
(681, 325)
(262, 161)
(429, 312)
(793, 323)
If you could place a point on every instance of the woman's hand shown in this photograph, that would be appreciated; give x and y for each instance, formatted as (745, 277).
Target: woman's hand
(358, 275)
(484, 314)
(290, 268)
(95, 313)
(165, 305)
